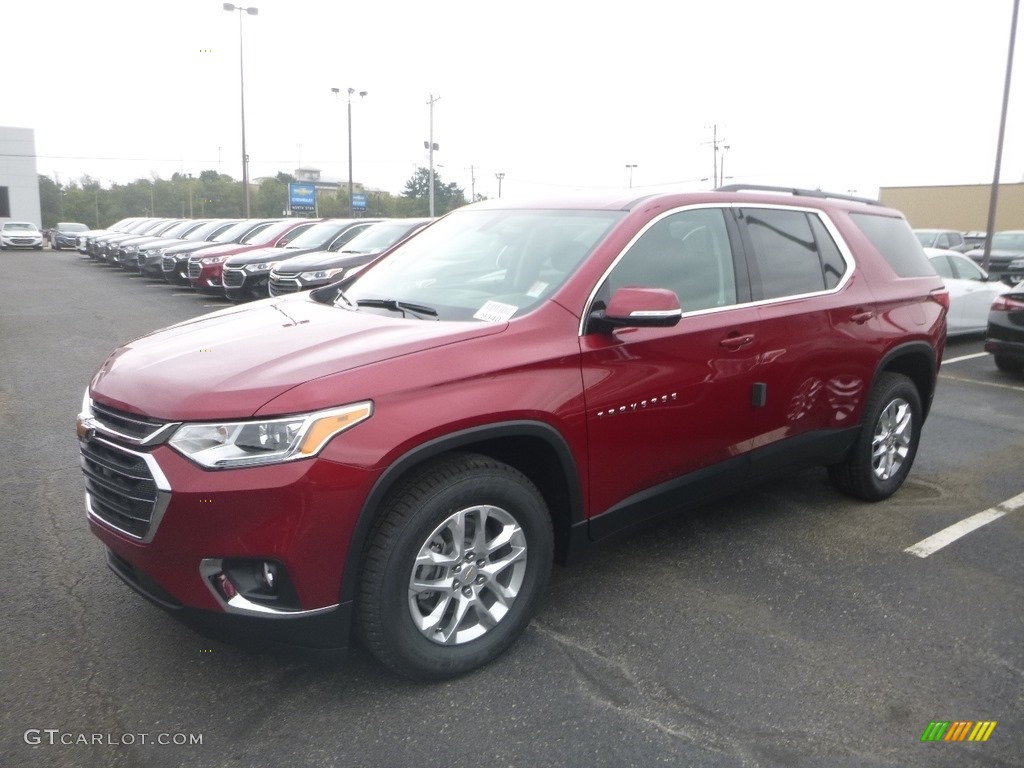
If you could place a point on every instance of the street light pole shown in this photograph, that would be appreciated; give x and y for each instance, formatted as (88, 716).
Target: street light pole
(362, 94)
(241, 70)
(499, 177)
(631, 166)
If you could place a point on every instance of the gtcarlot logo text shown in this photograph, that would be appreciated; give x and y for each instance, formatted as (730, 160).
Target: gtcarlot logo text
(56, 737)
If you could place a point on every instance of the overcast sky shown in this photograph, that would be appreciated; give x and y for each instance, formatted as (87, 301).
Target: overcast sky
(555, 94)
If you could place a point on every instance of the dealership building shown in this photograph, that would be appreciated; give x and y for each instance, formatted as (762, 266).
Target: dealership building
(19, 180)
(962, 207)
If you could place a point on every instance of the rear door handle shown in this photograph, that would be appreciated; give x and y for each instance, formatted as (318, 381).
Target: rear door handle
(737, 342)
(862, 317)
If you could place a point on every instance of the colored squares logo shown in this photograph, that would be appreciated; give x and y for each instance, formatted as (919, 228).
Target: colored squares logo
(958, 730)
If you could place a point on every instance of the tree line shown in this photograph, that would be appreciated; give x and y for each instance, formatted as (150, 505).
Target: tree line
(217, 195)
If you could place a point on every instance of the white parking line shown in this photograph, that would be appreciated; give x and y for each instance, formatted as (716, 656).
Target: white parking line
(964, 357)
(937, 541)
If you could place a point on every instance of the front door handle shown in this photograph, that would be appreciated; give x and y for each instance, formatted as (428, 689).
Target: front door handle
(738, 341)
(862, 317)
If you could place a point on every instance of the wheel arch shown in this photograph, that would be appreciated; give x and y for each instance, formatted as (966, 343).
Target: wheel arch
(917, 361)
(534, 448)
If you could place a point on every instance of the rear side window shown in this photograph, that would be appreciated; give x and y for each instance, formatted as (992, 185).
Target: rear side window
(793, 252)
(896, 242)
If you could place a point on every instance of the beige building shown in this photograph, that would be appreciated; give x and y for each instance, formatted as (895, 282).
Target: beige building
(962, 207)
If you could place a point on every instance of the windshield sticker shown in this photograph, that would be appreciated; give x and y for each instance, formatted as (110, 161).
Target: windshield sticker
(495, 312)
(537, 289)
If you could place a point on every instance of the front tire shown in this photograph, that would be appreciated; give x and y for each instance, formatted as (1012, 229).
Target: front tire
(881, 458)
(454, 568)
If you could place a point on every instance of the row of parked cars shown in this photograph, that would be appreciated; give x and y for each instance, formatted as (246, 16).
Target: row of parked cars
(1006, 258)
(245, 259)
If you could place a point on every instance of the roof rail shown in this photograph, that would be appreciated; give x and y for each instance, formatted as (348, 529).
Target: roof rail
(795, 191)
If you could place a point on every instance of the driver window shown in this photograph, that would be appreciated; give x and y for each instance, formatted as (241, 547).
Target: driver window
(688, 253)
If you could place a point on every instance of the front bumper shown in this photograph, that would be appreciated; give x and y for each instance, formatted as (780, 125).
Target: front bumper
(241, 285)
(21, 242)
(327, 631)
(169, 527)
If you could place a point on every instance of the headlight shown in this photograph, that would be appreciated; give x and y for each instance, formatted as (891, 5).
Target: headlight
(213, 259)
(263, 266)
(130, 249)
(321, 274)
(1017, 264)
(271, 441)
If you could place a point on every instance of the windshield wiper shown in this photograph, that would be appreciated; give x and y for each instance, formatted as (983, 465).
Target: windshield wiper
(399, 306)
(341, 300)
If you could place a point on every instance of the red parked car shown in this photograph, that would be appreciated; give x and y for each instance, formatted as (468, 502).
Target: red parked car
(403, 454)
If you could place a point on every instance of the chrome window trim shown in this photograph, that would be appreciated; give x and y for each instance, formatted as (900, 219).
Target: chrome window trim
(826, 220)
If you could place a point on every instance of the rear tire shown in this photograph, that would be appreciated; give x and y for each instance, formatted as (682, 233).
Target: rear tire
(1009, 364)
(454, 568)
(881, 458)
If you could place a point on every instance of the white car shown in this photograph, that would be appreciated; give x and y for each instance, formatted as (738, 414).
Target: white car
(971, 291)
(20, 234)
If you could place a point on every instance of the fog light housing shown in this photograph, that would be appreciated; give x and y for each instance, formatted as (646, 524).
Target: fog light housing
(251, 585)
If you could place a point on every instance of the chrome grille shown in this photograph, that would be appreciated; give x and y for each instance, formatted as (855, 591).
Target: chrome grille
(127, 424)
(233, 278)
(195, 269)
(121, 489)
(279, 285)
(168, 264)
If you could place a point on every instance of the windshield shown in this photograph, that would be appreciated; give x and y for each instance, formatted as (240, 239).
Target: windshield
(232, 234)
(483, 264)
(19, 225)
(319, 235)
(180, 229)
(268, 235)
(205, 231)
(926, 237)
(380, 236)
(66, 227)
(1008, 241)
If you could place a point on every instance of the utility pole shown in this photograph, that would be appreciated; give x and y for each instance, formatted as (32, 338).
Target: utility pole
(432, 146)
(472, 184)
(499, 177)
(715, 141)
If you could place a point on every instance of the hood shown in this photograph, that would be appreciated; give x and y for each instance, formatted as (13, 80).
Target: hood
(228, 364)
(189, 246)
(162, 242)
(323, 260)
(267, 253)
(227, 249)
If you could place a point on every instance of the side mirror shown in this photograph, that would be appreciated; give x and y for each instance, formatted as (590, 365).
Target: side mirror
(638, 308)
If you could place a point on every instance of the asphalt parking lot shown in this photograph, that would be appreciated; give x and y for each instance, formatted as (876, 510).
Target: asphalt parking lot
(787, 626)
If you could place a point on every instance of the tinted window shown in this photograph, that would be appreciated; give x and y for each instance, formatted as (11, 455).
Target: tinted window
(786, 253)
(893, 239)
(687, 252)
(833, 266)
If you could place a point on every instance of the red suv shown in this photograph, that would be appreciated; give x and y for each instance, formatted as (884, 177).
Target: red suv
(403, 454)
